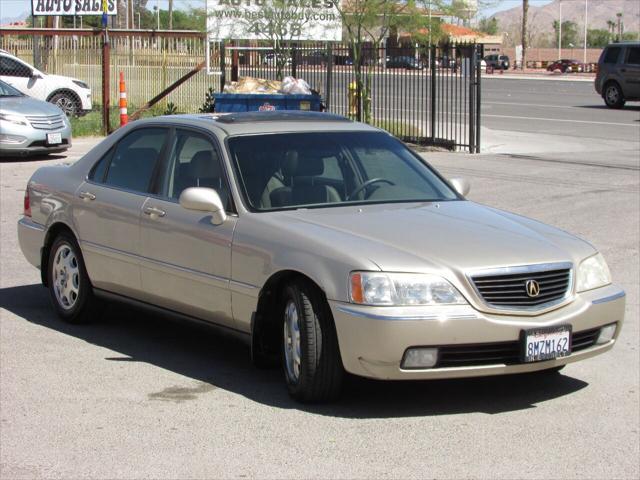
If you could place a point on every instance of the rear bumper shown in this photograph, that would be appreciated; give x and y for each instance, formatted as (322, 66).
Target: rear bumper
(31, 238)
(373, 340)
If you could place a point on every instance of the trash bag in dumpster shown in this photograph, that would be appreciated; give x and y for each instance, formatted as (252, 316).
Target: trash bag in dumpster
(295, 86)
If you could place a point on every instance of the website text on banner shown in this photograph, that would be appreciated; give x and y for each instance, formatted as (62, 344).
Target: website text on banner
(291, 20)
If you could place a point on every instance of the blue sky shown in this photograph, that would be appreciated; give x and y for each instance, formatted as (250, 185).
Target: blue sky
(13, 8)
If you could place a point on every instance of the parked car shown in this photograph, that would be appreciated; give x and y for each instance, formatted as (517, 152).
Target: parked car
(29, 126)
(73, 96)
(565, 66)
(618, 78)
(316, 57)
(270, 60)
(498, 61)
(405, 61)
(327, 245)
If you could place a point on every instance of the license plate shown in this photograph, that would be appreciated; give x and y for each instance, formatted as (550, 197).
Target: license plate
(54, 138)
(546, 343)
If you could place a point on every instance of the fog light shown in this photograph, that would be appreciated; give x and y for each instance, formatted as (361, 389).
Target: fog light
(606, 334)
(11, 138)
(419, 358)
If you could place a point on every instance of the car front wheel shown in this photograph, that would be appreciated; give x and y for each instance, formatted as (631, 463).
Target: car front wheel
(613, 95)
(69, 286)
(310, 354)
(66, 102)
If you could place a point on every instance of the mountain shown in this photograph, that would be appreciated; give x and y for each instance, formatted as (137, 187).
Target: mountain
(18, 18)
(599, 12)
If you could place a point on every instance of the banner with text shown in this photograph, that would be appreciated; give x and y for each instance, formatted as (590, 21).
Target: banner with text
(73, 7)
(284, 20)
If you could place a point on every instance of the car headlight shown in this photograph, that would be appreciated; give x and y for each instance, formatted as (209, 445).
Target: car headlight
(380, 288)
(81, 84)
(593, 273)
(17, 119)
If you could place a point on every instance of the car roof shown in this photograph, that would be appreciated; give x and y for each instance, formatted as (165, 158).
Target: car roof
(626, 43)
(279, 121)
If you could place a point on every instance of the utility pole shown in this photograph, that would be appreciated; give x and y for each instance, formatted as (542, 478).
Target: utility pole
(560, 33)
(586, 25)
(170, 14)
(525, 13)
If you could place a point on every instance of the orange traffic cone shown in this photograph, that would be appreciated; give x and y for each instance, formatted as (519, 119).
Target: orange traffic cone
(124, 117)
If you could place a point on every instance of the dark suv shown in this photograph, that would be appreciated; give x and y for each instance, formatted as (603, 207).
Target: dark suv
(618, 78)
(497, 61)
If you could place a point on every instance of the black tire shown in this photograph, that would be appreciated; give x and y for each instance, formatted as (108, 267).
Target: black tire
(612, 94)
(320, 372)
(78, 307)
(67, 102)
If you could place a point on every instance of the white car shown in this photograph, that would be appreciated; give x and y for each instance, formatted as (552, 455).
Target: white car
(71, 95)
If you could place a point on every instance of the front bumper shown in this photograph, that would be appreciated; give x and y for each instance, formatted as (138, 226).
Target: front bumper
(25, 140)
(373, 340)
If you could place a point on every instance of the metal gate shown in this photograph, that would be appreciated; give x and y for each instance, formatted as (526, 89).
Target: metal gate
(427, 96)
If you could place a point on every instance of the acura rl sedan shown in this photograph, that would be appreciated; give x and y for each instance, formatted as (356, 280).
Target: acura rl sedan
(327, 245)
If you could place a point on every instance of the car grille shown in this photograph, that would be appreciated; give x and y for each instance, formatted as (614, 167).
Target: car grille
(510, 290)
(499, 353)
(50, 122)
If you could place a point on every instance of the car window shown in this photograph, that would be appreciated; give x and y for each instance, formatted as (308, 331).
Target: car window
(633, 55)
(11, 68)
(100, 168)
(612, 55)
(134, 159)
(193, 162)
(331, 169)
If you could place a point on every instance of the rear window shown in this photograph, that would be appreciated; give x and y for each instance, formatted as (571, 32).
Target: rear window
(611, 55)
(633, 57)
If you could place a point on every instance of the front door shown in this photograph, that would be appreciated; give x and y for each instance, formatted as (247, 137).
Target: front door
(19, 75)
(185, 259)
(107, 210)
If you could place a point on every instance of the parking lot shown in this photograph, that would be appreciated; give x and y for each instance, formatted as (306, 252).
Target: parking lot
(142, 396)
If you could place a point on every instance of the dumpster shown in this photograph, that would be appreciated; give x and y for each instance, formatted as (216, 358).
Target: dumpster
(239, 102)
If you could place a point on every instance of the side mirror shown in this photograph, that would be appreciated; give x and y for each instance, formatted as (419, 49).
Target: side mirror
(461, 185)
(204, 200)
(35, 74)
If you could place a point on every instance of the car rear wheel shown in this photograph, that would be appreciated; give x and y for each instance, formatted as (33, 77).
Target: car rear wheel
(613, 95)
(69, 287)
(310, 355)
(66, 102)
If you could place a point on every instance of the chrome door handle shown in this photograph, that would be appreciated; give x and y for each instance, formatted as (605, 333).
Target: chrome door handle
(154, 212)
(87, 196)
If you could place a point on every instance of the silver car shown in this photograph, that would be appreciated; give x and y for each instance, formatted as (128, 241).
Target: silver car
(29, 126)
(327, 245)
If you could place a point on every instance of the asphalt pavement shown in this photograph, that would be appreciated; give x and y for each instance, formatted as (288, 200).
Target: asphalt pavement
(143, 396)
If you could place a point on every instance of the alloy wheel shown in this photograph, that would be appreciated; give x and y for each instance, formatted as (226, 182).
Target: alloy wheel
(292, 353)
(66, 277)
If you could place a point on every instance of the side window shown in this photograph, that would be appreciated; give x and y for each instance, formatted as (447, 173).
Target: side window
(10, 68)
(194, 162)
(612, 54)
(633, 55)
(100, 168)
(134, 159)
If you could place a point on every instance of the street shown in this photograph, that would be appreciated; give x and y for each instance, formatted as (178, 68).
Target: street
(142, 396)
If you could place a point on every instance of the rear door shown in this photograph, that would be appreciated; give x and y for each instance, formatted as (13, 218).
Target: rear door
(185, 259)
(107, 209)
(630, 72)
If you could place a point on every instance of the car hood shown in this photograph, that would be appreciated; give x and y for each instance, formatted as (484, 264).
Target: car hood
(454, 235)
(27, 106)
(61, 80)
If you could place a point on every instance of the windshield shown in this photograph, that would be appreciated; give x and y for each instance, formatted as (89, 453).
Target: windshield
(328, 169)
(7, 90)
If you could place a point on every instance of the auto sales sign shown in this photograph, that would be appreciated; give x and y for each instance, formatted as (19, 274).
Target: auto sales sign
(73, 7)
(288, 20)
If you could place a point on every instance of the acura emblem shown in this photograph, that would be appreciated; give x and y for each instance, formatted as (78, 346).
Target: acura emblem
(533, 288)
